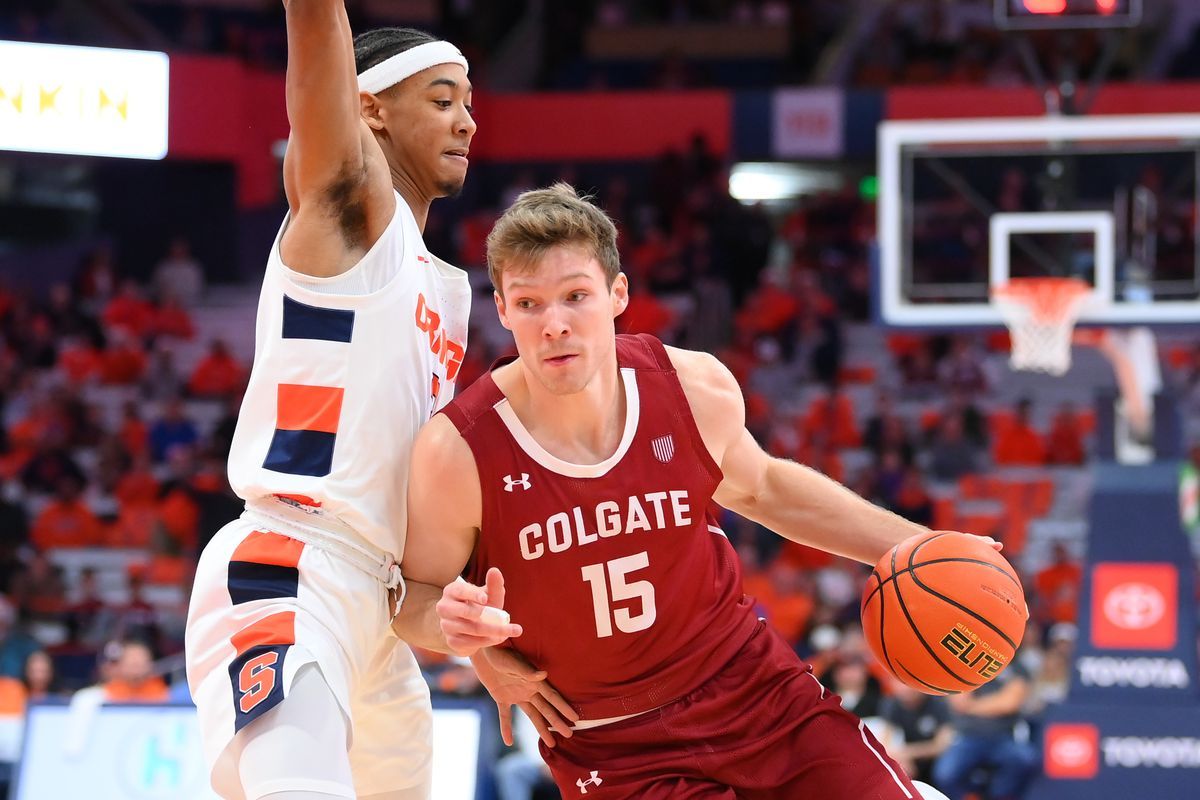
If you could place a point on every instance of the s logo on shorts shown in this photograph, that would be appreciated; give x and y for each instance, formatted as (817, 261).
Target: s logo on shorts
(256, 673)
(256, 680)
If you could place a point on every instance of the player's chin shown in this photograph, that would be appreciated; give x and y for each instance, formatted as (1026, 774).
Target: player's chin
(450, 188)
(563, 384)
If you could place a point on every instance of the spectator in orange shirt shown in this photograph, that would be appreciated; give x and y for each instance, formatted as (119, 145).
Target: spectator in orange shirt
(66, 521)
(785, 593)
(129, 311)
(1057, 588)
(1064, 444)
(132, 677)
(133, 434)
(172, 319)
(832, 415)
(123, 361)
(79, 359)
(769, 309)
(218, 374)
(1020, 444)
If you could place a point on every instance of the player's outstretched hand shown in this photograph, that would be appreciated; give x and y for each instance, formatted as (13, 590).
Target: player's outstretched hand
(472, 616)
(511, 680)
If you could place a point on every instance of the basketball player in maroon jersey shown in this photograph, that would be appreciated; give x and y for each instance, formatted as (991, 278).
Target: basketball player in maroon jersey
(583, 472)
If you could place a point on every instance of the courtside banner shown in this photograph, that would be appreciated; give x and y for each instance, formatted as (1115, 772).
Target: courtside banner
(83, 100)
(1137, 622)
(1095, 752)
(808, 123)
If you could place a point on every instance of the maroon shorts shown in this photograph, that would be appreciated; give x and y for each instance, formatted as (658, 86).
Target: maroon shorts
(763, 727)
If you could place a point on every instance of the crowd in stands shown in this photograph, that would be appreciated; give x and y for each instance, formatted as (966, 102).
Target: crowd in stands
(907, 42)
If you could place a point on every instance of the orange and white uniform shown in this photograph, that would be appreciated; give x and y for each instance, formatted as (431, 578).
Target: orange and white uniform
(346, 370)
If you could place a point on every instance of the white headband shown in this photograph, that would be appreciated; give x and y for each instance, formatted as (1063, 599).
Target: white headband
(388, 73)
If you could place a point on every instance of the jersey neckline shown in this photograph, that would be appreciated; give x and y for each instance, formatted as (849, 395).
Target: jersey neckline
(526, 442)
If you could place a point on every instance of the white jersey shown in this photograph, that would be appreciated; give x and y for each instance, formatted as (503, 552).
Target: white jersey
(341, 384)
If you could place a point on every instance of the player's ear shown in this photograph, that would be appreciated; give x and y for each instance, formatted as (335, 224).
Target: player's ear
(501, 310)
(620, 294)
(371, 110)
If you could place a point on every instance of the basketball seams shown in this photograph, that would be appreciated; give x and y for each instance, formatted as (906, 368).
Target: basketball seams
(913, 574)
(964, 609)
(913, 626)
(882, 640)
(933, 561)
(930, 685)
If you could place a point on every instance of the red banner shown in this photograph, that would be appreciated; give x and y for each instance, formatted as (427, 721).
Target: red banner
(954, 102)
(224, 111)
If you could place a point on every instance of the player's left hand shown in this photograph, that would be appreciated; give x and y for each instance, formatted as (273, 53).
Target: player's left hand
(511, 680)
(470, 617)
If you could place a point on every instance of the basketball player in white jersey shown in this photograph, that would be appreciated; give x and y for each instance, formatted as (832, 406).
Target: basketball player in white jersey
(303, 691)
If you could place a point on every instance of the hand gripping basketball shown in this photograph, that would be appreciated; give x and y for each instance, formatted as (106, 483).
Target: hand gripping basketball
(944, 612)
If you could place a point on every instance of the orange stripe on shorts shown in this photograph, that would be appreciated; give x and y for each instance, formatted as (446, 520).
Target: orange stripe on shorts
(308, 408)
(274, 630)
(267, 547)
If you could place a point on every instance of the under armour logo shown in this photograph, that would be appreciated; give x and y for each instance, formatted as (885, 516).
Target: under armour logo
(592, 781)
(523, 482)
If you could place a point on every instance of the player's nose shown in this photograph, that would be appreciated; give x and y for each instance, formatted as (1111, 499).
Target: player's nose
(465, 124)
(554, 324)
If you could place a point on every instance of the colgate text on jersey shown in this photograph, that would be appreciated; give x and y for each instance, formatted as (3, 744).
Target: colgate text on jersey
(576, 528)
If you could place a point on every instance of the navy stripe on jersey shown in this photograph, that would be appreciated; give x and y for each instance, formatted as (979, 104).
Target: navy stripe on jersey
(301, 453)
(256, 677)
(249, 581)
(302, 321)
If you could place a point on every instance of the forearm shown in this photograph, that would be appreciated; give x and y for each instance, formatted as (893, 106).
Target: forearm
(804, 506)
(417, 621)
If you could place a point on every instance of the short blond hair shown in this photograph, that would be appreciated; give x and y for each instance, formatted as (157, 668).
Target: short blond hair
(545, 218)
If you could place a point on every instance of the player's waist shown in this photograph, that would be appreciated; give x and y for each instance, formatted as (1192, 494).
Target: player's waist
(326, 533)
(677, 674)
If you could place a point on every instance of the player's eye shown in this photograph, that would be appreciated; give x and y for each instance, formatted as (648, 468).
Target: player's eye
(443, 103)
(525, 303)
(576, 296)
(470, 109)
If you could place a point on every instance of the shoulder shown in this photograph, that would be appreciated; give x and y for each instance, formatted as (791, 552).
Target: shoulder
(713, 395)
(443, 483)
(705, 379)
(439, 444)
(441, 459)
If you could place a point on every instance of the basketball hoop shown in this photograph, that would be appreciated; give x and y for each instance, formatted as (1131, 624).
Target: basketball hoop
(1040, 314)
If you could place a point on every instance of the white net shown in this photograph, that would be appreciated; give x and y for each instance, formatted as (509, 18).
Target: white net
(1041, 315)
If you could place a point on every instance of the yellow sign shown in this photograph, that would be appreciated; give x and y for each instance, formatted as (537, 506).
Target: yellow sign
(84, 100)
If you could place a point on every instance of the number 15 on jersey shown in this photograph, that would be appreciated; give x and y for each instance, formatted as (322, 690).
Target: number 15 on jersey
(610, 585)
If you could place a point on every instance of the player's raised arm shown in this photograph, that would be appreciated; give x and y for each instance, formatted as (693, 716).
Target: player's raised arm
(796, 502)
(326, 146)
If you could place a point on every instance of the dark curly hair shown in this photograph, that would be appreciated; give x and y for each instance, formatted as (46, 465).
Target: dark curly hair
(375, 47)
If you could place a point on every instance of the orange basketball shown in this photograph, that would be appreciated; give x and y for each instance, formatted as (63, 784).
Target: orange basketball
(944, 612)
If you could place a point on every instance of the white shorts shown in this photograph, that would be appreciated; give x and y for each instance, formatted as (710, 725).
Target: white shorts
(263, 606)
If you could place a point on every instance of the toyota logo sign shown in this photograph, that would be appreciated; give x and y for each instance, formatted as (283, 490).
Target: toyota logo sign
(1134, 606)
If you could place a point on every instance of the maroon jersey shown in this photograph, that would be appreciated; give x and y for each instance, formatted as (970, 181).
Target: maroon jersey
(629, 594)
